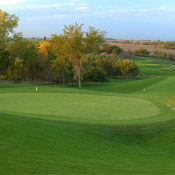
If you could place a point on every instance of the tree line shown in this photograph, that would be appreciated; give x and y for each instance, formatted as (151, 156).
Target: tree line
(74, 55)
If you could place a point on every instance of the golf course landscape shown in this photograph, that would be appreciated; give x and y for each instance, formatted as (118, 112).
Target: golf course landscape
(123, 126)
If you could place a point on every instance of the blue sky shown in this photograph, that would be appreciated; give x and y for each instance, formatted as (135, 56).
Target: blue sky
(121, 19)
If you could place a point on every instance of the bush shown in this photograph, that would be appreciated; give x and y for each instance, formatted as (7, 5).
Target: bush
(95, 74)
(112, 49)
(141, 52)
(125, 68)
(15, 79)
(164, 55)
(1, 77)
(171, 57)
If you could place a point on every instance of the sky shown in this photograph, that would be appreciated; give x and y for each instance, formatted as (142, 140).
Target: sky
(121, 19)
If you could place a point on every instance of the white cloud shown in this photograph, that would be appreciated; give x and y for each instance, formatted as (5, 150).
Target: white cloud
(36, 18)
(167, 8)
(55, 5)
(102, 13)
(112, 12)
(82, 8)
(8, 2)
(145, 10)
(72, 3)
(14, 8)
(58, 16)
(29, 7)
(43, 6)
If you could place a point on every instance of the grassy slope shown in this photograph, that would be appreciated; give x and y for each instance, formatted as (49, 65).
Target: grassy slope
(41, 146)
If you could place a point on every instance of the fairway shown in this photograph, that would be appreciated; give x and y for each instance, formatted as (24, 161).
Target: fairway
(74, 106)
(124, 126)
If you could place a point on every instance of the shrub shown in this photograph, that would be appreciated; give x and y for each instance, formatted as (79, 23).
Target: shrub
(125, 68)
(164, 55)
(112, 49)
(15, 79)
(141, 52)
(171, 57)
(95, 74)
(1, 77)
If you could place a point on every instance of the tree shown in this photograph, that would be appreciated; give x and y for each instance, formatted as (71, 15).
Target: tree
(43, 59)
(94, 38)
(74, 43)
(59, 49)
(14, 48)
(7, 24)
(4, 62)
(31, 60)
(79, 44)
(26, 53)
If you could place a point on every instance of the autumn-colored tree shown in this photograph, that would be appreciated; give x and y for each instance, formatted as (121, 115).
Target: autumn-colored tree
(14, 48)
(31, 61)
(75, 54)
(7, 24)
(43, 59)
(59, 48)
(26, 53)
(43, 53)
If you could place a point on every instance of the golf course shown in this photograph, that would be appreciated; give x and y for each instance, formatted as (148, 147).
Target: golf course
(123, 126)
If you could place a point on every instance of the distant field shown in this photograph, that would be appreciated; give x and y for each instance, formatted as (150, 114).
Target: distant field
(119, 127)
(150, 48)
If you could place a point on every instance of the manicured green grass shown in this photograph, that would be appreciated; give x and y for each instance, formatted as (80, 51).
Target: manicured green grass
(155, 66)
(76, 107)
(116, 127)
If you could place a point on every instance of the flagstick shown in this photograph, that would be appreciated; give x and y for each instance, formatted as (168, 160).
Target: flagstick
(36, 94)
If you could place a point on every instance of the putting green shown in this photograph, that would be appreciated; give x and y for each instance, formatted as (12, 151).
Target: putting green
(75, 106)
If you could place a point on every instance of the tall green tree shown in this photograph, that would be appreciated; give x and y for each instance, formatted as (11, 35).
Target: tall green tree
(79, 44)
